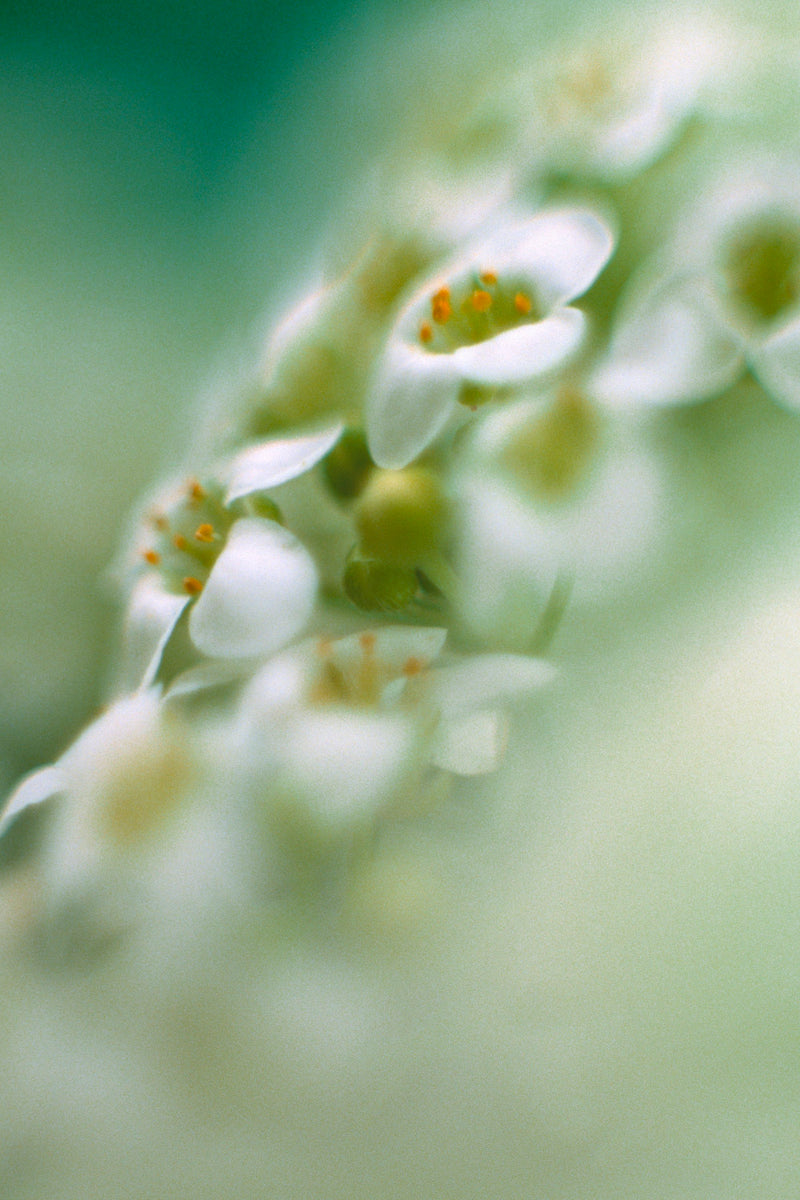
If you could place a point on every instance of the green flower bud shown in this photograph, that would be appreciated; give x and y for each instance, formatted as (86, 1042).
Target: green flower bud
(378, 586)
(401, 516)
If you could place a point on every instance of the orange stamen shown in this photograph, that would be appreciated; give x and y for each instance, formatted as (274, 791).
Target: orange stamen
(522, 304)
(180, 542)
(425, 332)
(192, 585)
(196, 491)
(441, 307)
(489, 278)
(159, 521)
(152, 557)
(204, 532)
(413, 666)
(367, 642)
(481, 301)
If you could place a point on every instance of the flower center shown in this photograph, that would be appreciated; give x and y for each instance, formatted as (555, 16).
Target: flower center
(551, 454)
(762, 267)
(474, 310)
(187, 541)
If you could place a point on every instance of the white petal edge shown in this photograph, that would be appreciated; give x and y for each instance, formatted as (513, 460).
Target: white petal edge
(269, 464)
(34, 789)
(671, 350)
(259, 595)
(485, 679)
(524, 353)
(561, 252)
(153, 613)
(776, 364)
(409, 404)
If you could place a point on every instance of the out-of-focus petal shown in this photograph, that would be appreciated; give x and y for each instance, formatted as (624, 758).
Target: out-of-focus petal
(348, 763)
(34, 789)
(670, 349)
(485, 679)
(471, 745)
(776, 363)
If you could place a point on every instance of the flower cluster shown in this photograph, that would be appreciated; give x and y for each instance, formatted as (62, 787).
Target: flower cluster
(460, 436)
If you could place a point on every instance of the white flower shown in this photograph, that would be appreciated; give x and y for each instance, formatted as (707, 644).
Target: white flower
(550, 493)
(347, 725)
(498, 317)
(118, 785)
(614, 105)
(251, 584)
(724, 296)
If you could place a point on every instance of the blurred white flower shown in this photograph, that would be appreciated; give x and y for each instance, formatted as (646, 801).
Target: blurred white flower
(348, 726)
(723, 297)
(496, 318)
(550, 492)
(251, 583)
(613, 105)
(117, 786)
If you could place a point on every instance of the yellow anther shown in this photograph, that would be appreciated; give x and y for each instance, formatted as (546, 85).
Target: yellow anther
(481, 301)
(192, 585)
(441, 307)
(180, 542)
(488, 278)
(523, 304)
(204, 532)
(367, 642)
(413, 666)
(152, 557)
(196, 491)
(159, 521)
(425, 332)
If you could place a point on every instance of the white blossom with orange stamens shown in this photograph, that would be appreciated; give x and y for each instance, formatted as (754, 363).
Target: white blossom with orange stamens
(496, 318)
(346, 726)
(219, 546)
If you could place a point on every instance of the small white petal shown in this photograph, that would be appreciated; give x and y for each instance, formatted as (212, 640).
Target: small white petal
(269, 464)
(524, 353)
(34, 789)
(562, 252)
(259, 595)
(346, 764)
(153, 613)
(776, 364)
(409, 404)
(669, 350)
(487, 678)
(472, 745)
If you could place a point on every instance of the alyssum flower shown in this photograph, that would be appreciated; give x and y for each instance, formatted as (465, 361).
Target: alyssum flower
(345, 726)
(723, 297)
(496, 318)
(218, 545)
